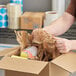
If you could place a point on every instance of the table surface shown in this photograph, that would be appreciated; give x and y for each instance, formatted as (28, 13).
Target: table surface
(4, 46)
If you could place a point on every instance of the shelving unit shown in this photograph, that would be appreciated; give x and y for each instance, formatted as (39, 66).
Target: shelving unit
(7, 36)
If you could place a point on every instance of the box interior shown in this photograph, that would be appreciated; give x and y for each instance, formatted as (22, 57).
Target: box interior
(66, 63)
(21, 65)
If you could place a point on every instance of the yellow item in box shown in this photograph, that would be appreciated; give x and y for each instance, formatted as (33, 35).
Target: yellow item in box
(13, 56)
(23, 54)
(32, 20)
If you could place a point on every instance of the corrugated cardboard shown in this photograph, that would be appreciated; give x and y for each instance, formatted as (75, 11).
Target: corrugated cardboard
(58, 71)
(22, 65)
(31, 20)
(67, 62)
(7, 51)
(64, 65)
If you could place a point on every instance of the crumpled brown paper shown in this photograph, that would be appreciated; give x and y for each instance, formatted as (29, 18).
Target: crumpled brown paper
(23, 38)
(45, 43)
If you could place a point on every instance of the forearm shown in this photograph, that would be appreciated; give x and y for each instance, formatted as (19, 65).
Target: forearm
(61, 25)
(73, 44)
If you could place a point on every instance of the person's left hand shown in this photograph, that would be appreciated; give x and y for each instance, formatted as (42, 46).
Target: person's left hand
(63, 45)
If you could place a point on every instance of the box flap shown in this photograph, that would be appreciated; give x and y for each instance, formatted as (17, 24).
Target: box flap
(6, 51)
(22, 65)
(67, 62)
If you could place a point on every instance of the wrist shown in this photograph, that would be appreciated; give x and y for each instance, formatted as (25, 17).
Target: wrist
(70, 42)
(47, 31)
(73, 44)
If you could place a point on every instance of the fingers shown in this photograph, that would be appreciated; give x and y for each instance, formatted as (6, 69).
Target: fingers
(61, 48)
(62, 45)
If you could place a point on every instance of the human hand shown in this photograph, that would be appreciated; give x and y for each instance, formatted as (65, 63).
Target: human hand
(63, 45)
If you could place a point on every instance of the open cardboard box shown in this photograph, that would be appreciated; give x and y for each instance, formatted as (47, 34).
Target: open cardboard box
(63, 65)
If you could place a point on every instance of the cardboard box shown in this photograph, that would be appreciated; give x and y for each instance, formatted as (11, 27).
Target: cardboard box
(64, 65)
(31, 20)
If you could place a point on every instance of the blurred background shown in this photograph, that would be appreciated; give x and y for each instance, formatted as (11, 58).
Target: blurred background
(41, 5)
(8, 37)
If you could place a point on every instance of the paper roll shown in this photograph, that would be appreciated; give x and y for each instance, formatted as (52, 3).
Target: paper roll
(13, 23)
(18, 2)
(3, 16)
(14, 12)
(59, 6)
(50, 16)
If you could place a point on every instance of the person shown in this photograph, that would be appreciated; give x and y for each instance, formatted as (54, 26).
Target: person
(60, 26)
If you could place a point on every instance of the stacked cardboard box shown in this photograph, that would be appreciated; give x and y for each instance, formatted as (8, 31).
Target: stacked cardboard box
(31, 20)
(64, 65)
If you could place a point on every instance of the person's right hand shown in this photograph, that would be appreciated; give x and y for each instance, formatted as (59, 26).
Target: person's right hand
(63, 45)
